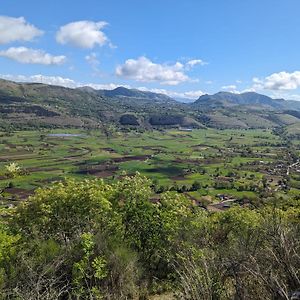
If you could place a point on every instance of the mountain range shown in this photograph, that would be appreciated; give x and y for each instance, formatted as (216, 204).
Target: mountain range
(27, 105)
(248, 99)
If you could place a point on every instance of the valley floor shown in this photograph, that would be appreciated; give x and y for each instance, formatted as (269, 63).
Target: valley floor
(214, 168)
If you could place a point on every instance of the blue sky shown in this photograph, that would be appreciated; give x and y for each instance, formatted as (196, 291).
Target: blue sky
(181, 47)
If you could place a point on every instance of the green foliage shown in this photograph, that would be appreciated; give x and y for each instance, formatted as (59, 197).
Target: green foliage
(7, 242)
(13, 170)
(95, 240)
(7, 249)
(88, 269)
(66, 210)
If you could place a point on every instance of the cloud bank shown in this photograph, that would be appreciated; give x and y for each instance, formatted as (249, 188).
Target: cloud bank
(279, 81)
(144, 70)
(32, 56)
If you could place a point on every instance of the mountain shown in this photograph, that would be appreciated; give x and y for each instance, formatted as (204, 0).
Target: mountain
(36, 105)
(292, 104)
(27, 105)
(226, 99)
(184, 100)
(249, 100)
(134, 94)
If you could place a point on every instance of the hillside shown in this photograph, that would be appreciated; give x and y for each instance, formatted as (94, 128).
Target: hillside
(132, 94)
(136, 94)
(30, 105)
(244, 100)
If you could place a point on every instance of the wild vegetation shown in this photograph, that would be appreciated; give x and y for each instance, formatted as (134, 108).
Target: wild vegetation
(94, 240)
(211, 214)
(130, 195)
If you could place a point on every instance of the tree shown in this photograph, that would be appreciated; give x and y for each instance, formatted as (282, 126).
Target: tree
(13, 170)
(196, 186)
(66, 210)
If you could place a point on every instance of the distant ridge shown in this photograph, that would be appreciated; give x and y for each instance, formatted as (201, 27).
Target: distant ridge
(225, 99)
(34, 105)
(131, 93)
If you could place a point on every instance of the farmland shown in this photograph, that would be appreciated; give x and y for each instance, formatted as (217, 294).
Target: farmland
(214, 168)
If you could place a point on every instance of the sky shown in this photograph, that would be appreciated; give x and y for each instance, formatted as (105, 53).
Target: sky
(183, 48)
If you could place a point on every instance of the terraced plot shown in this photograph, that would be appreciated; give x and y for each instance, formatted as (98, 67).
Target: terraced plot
(227, 162)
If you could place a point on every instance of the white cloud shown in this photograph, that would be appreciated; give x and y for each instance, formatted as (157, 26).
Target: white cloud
(17, 29)
(61, 81)
(82, 34)
(52, 80)
(279, 81)
(249, 90)
(31, 56)
(229, 87)
(105, 86)
(93, 61)
(193, 94)
(195, 62)
(173, 94)
(283, 94)
(143, 69)
(233, 89)
(292, 97)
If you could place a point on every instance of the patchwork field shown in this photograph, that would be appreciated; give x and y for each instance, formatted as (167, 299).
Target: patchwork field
(212, 167)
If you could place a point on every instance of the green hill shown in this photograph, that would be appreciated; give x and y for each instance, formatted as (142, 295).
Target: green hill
(32, 105)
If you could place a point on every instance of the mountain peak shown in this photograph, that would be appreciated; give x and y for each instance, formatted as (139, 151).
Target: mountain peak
(136, 94)
(227, 99)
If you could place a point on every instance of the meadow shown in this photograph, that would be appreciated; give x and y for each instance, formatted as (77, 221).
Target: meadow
(210, 166)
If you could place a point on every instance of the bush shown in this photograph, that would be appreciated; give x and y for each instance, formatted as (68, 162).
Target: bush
(95, 240)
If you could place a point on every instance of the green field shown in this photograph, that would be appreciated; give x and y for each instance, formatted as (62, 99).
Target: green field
(229, 162)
